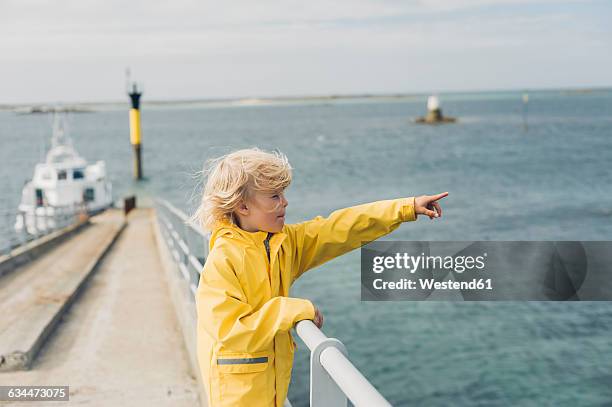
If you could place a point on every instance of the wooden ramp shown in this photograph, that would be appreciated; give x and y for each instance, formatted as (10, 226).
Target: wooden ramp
(119, 342)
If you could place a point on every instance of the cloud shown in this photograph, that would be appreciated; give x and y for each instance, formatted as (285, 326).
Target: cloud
(249, 40)
(34, 30)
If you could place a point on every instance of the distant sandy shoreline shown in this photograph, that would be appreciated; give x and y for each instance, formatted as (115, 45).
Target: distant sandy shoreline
(86, 107)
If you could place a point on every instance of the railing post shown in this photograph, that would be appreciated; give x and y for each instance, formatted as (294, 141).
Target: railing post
(333, 378)
(324, 392)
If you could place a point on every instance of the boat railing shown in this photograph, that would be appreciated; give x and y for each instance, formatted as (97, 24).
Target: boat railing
(42, 221)
(333, 378)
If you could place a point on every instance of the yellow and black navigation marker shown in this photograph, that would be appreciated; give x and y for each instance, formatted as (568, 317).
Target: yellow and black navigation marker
(135, 130)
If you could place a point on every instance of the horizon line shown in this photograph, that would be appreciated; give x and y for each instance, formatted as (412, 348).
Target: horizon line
(277, 97)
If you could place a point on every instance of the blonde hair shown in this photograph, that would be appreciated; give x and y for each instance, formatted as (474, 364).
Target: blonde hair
(232, 179)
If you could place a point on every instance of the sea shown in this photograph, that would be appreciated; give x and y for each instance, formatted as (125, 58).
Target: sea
(514, 171)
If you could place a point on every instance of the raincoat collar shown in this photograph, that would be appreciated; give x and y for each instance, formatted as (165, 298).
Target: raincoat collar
(231, 230)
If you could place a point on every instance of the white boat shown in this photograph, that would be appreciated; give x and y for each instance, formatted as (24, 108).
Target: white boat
(63, 187)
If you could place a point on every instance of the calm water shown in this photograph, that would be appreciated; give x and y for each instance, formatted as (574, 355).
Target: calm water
(553, 182)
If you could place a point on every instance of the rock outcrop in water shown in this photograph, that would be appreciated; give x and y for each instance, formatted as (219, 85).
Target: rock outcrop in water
(434, 113)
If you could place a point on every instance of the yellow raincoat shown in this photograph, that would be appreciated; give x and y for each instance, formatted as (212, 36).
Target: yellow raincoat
(245, 348)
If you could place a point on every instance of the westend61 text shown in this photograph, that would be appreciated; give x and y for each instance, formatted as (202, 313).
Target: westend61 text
(412, 263)
(431, 284)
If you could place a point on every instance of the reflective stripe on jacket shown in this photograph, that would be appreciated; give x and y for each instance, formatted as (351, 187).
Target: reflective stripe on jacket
(245, 348)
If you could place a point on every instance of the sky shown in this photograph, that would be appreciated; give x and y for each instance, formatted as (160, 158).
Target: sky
(78, 50)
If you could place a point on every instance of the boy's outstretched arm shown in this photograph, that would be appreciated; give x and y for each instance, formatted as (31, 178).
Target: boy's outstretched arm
(322, 239)
(225, 314)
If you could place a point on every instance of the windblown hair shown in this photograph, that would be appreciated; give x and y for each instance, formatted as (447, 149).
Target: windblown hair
(233, 178)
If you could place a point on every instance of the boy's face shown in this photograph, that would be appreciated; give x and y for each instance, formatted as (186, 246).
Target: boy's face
(264, 212)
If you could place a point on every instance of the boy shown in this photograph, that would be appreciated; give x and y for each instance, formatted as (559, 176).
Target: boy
(245, 348)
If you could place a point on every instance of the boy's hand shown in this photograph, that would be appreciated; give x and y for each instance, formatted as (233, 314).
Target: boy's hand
(318, 319)
(427, 205)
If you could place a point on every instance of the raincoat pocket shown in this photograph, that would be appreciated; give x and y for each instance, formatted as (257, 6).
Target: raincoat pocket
(244, 378)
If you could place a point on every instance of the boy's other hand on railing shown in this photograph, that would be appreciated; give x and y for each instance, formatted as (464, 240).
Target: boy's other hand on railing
(427, 205)
(318, 319)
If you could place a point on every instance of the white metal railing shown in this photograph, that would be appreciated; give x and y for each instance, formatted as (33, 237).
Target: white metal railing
(42, 221)
(333, 378)
(187, 243)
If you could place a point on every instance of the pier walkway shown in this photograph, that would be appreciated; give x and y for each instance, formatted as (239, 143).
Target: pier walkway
(119, 343)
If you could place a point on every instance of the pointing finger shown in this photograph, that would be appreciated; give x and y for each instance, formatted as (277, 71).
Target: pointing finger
(439, 196)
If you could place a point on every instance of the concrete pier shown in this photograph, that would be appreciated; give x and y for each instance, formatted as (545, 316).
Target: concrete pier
(119, 342)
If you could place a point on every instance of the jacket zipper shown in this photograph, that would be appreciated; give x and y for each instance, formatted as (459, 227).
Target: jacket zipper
(267, 244)
(280, 275)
